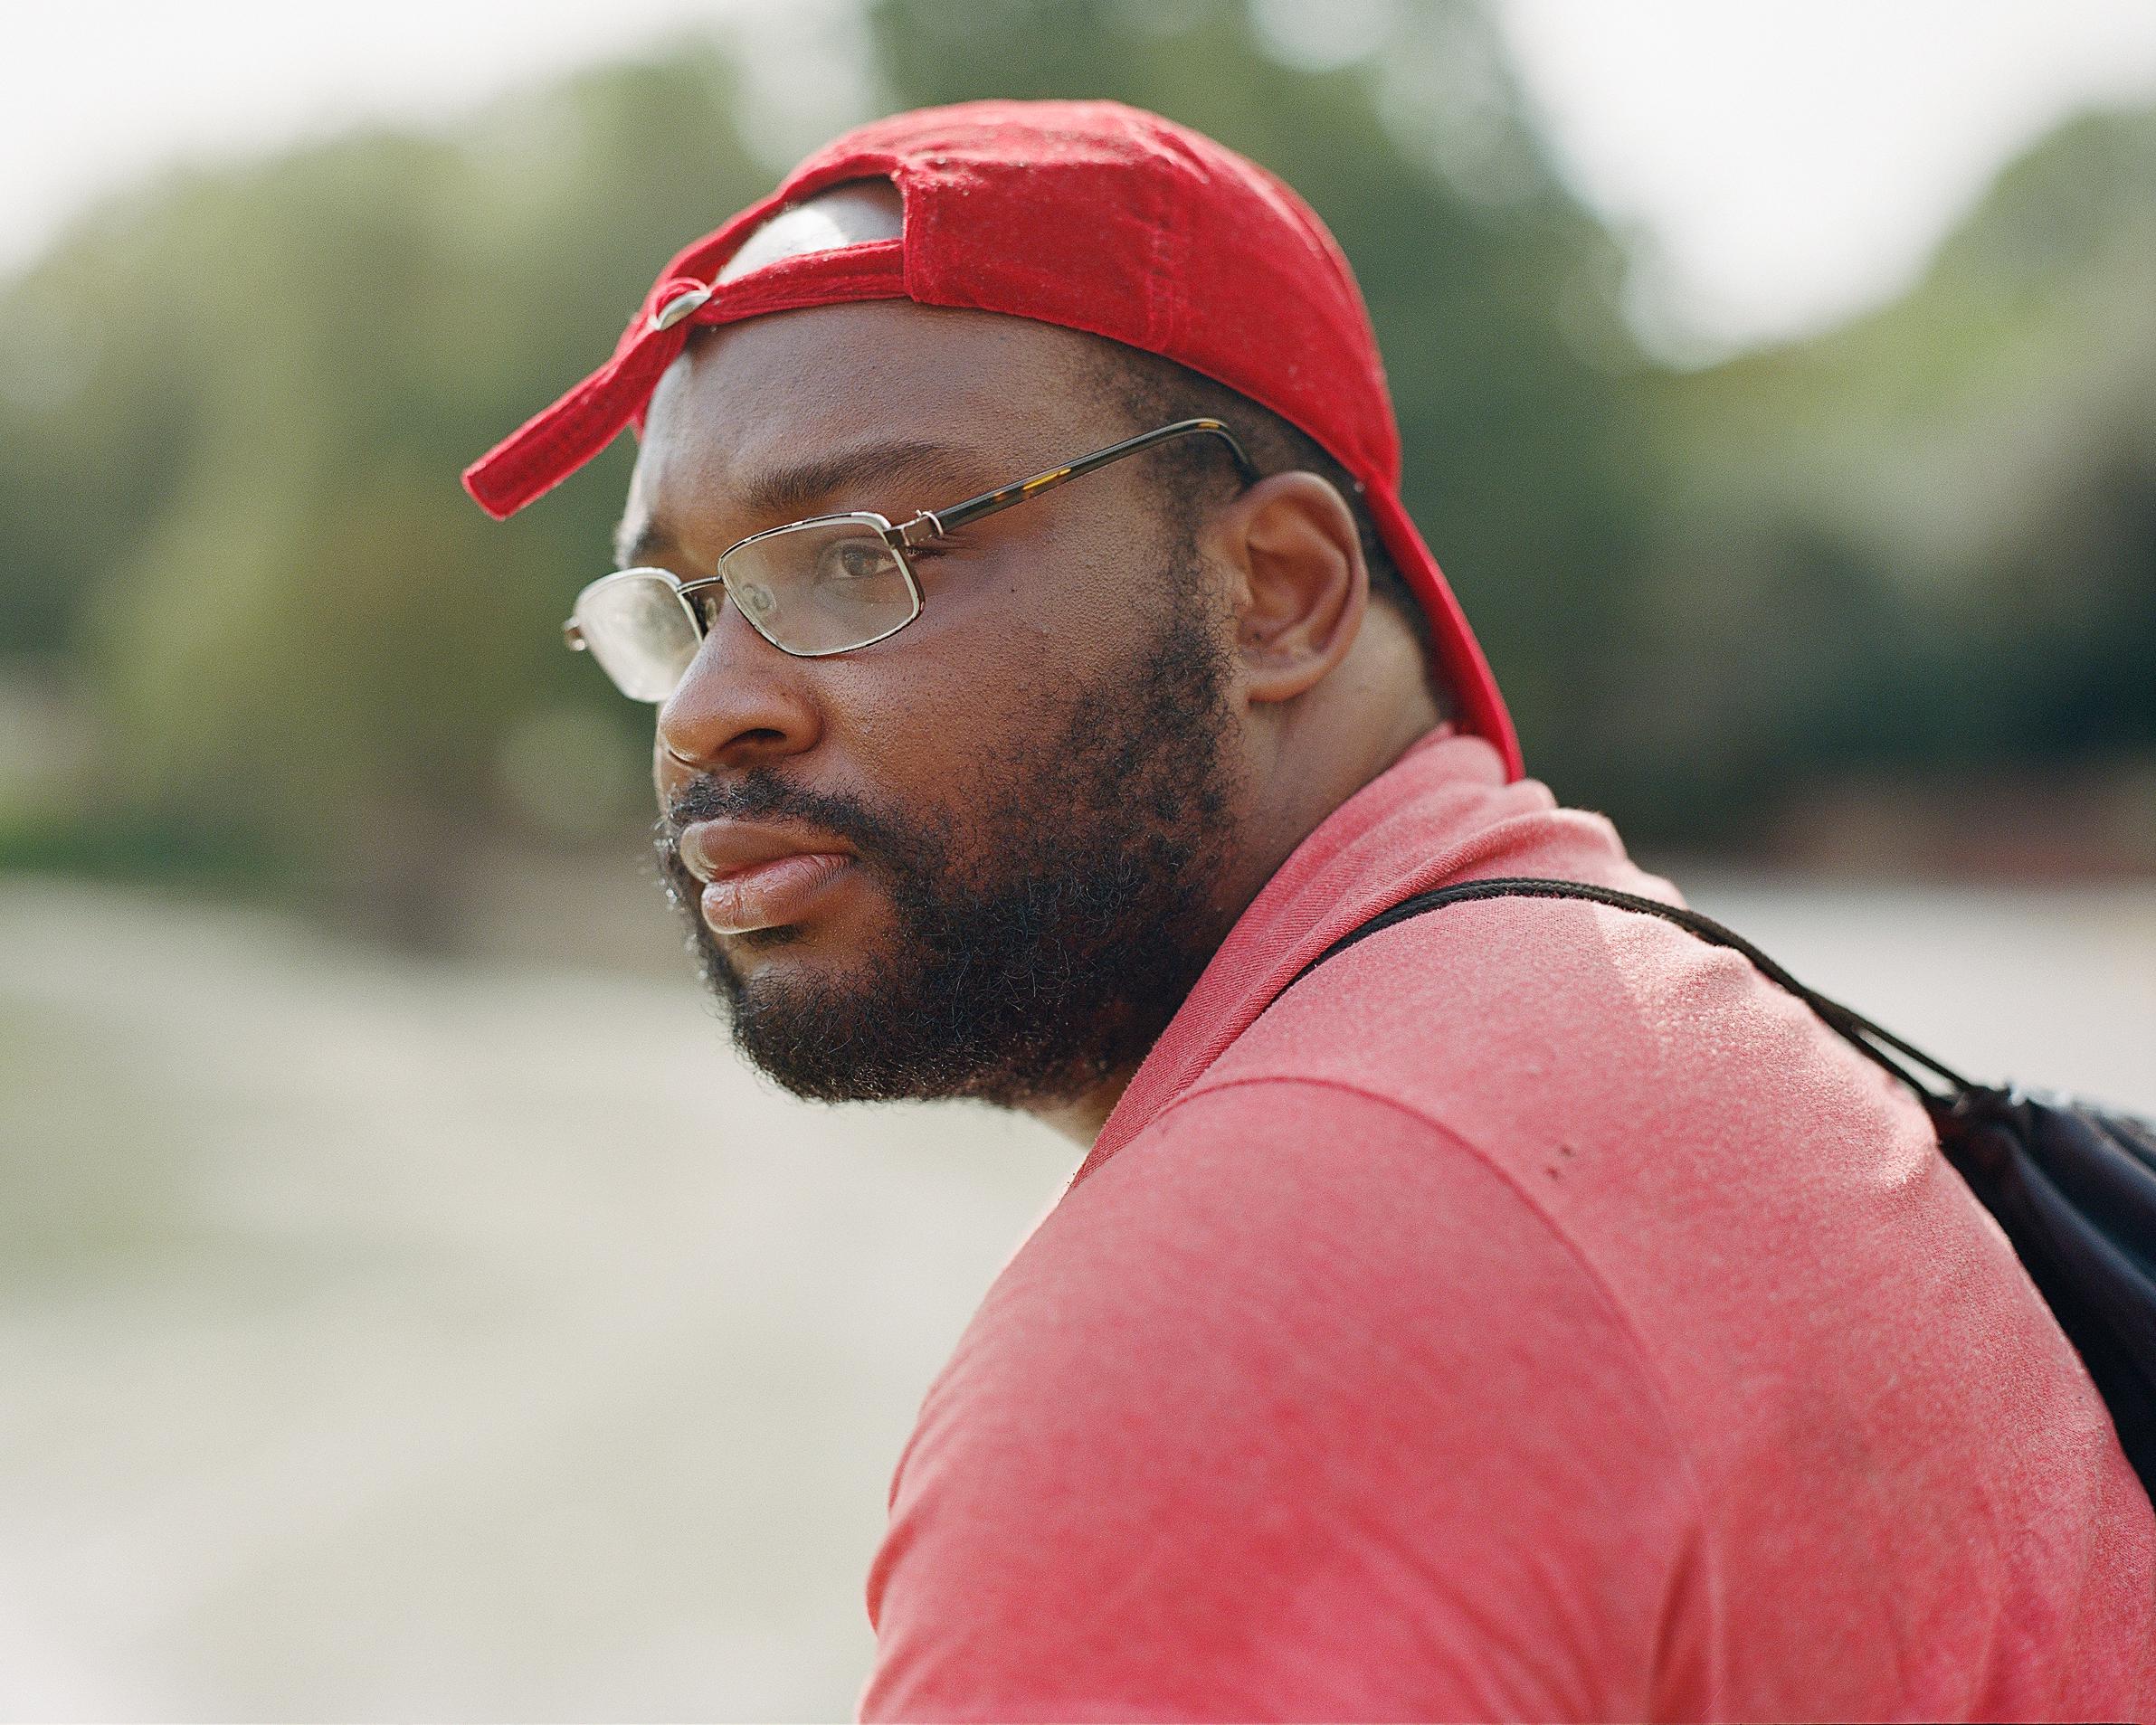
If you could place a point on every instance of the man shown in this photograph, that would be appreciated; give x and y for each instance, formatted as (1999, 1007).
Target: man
(1530, 1314)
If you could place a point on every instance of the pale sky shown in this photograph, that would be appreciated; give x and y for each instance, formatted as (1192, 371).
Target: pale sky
(1795, 160)
(1787, 161)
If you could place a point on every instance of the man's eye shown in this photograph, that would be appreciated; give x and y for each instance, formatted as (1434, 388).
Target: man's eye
(854, 560)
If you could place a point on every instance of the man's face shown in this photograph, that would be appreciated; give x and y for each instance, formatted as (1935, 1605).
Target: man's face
(988, 855)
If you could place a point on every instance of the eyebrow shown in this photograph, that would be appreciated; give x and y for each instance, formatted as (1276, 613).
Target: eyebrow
(793, 490)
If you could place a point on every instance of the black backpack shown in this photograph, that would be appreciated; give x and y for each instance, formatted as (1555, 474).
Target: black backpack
(2074, 1185)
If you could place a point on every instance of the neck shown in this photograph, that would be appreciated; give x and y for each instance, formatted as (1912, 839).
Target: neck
(1080, 1119)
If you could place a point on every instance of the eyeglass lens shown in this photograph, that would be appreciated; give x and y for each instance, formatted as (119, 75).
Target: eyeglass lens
(639, 627)
(820, 587)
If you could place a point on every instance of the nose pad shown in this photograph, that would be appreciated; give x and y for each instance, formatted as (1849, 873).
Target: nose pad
(756, 600)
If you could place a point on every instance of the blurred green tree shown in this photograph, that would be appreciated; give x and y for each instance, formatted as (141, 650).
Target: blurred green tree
(232, 411)
(234, 405)
(1981, 455)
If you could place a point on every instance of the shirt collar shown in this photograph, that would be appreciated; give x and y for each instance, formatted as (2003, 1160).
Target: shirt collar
(1442, 812)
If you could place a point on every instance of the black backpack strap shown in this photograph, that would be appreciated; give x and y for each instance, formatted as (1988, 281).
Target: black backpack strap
(1877, 1045)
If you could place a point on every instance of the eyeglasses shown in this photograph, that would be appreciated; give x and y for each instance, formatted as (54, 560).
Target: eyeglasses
(810, 588)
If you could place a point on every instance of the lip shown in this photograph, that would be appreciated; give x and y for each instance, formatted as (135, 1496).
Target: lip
(758, 875)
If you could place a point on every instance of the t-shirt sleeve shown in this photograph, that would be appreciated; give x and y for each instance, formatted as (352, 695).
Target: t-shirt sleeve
(1294, 1409)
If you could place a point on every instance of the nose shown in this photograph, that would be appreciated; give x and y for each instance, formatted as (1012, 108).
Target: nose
(741, 704)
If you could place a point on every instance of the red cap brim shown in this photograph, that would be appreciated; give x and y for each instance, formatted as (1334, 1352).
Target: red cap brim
(553, 444)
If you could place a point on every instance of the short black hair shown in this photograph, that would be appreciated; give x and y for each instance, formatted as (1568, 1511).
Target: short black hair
(1149, 391)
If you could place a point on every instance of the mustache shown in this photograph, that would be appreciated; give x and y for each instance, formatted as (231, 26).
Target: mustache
(763, 795)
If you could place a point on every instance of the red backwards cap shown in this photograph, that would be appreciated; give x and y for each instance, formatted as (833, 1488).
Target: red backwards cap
(1089, 214)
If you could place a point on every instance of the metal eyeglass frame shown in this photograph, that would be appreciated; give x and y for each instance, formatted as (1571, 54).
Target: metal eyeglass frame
(924, 526)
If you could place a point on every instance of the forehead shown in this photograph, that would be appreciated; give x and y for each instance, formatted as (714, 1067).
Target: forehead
(751, 397)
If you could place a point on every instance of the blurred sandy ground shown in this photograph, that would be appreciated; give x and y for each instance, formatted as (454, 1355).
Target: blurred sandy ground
(389, 1337)
(385, 1338)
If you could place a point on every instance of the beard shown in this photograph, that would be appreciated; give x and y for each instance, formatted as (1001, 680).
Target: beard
(1047, 946)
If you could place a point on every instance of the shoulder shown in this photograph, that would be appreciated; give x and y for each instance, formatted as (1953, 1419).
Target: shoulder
(1534, 1027)
(1237, 1428)
(1300, 1198)
(1274, 1233)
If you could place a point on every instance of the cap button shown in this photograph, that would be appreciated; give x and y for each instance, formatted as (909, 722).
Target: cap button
(680, 306)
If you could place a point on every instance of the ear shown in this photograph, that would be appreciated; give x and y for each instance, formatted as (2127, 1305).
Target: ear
(1301, 586)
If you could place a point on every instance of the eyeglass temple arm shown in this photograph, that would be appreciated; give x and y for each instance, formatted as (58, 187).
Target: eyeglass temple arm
(942, 521)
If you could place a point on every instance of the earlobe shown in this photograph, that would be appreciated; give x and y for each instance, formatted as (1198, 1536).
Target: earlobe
(1302, 586)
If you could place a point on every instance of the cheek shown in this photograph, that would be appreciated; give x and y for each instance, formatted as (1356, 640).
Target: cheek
(994, 661)
(1070, 597)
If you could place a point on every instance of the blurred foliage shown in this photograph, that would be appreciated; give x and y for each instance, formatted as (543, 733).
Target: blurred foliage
(233, 411)
(1925, 542)
(234, 405)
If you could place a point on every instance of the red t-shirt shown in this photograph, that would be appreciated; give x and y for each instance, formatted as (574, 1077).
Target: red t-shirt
(1534, 1314)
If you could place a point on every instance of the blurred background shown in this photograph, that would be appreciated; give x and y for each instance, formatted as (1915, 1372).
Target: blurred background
(407, 1306)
